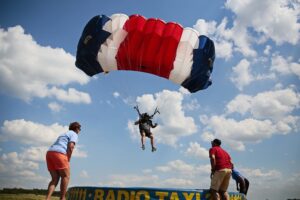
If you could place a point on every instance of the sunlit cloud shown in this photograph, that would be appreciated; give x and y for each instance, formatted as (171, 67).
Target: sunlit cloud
(29, 70)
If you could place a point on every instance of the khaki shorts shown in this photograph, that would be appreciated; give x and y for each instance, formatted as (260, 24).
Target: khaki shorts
(220, 180)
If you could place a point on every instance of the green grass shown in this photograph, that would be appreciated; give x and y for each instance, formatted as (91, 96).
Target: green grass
(24, 197)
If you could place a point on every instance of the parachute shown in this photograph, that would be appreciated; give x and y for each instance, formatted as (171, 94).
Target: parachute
(151, 45)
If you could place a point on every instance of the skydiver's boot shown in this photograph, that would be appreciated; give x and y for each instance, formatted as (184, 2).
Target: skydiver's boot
(143, 147)
(153, 149)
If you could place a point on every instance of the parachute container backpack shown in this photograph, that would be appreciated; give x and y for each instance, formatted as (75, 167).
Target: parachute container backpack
(151, 45)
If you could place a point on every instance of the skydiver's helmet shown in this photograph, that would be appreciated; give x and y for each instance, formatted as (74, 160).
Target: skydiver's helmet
(145, 116)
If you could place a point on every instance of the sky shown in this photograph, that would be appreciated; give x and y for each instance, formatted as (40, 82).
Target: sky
(252, 105)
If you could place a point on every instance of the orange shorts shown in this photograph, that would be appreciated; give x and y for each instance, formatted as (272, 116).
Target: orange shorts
(56, 161)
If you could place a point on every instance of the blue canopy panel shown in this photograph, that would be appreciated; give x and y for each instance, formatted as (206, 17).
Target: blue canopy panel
(140, 193)
(89, 44)
(203, 60)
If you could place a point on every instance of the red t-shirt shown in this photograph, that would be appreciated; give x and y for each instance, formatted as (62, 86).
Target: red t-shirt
(223, 159)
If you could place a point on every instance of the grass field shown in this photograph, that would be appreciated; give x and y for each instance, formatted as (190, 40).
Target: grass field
(24, 197)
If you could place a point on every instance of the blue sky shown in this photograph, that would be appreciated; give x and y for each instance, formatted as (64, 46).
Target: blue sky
(252, 105)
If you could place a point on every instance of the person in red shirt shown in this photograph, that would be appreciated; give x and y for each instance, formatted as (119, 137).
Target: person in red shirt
(221, 167)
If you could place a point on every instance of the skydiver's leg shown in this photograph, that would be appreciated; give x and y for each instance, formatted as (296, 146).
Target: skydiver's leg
(65, 177)
(53, 183)
(152, 142)
(143, 139)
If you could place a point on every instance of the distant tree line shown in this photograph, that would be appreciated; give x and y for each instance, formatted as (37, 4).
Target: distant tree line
(26, 191)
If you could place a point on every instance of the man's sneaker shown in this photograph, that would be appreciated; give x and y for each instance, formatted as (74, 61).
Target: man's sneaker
(153, 149)
(143, 147)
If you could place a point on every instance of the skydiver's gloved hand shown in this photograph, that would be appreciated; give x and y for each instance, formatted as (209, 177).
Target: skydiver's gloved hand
(155, 125)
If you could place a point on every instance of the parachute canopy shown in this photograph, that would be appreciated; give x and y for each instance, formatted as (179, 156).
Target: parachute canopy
(151, 45)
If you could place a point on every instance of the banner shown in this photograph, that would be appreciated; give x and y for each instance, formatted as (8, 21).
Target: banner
(139, 193)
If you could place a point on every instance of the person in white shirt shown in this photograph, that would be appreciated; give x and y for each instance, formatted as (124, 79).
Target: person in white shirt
(58, 160)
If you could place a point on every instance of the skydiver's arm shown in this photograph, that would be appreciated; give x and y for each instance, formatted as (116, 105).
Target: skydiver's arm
(137, 122)
(153, 126)
(138, 111)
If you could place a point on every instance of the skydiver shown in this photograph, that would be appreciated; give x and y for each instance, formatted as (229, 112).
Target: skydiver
(145, 123)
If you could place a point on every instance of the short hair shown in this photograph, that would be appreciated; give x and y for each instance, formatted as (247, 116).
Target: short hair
(217, 142)
(74, 125)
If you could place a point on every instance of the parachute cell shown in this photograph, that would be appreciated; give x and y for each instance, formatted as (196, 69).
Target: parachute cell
(151, 45)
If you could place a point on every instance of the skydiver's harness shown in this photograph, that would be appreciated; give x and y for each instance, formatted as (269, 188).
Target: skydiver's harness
(144, 126)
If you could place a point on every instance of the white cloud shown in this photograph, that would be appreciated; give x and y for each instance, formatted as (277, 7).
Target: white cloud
(221, 38)
(183, 169)
(269, 113)
(242, 40)
(244, 130)
(133, 130)
(240, 104)
(192, 105)
(241, 74)
(39, 136)
(207, 136)
(27, 132)
(71, 95)
(285, 66)
(205, 28)
(79, 153)
(237, 37)
(255, 21)
(175, 173)
(147, 171)
(274, 19)
(29, 70)
(267, 50)
(17, 171)
(55, 107)
(131, 180)
(178, 182)
(273, 105)
(32, 153)
(224, 49)
(177, 166)
(258, 173)
(196, 150)
(236, 133)
(116, 94)
(173, 122)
